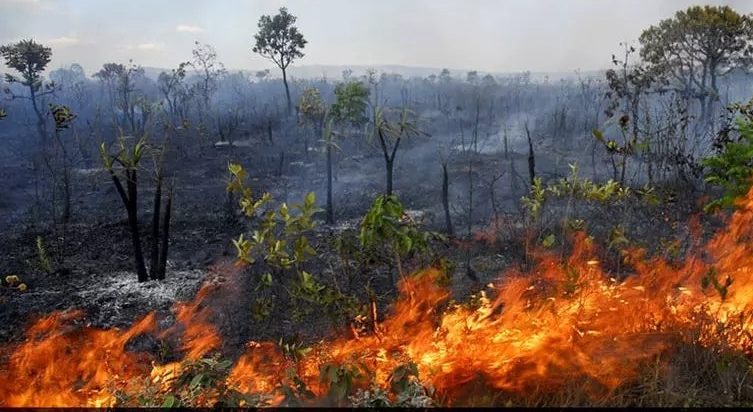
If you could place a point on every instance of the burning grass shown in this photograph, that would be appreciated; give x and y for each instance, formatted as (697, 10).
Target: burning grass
(563, 333)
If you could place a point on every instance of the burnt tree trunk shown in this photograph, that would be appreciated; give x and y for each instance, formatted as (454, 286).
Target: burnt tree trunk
(133, 224)
(330, 207)
(153, 266)
(531, 157)
(162, 268)
(446, 200)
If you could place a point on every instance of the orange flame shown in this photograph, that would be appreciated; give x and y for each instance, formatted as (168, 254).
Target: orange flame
(561, 321)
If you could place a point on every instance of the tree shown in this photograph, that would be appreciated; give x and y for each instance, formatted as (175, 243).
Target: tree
(124, 165)
(390, 133)
(690, 51)
(205, 62)
(173, 89)
(387, 225)
(30, 59)
(63, 117)
(349, 108)
(312, 110)
(280, 41)
(731, 167)
(129, 159)
(68, 76)
(120, 81)
(628, 84)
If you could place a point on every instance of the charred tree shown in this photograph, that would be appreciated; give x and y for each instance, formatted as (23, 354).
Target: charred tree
(446, 200)
(531, 156)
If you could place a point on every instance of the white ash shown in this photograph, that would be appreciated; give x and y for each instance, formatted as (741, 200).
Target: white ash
(117, 297)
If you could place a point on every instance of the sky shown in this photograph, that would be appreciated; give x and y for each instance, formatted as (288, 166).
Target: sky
(484, 35)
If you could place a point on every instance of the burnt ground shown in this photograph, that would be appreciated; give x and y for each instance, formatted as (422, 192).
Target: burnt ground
(96, 273)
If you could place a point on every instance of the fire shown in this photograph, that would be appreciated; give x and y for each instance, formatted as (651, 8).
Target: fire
(563, 321)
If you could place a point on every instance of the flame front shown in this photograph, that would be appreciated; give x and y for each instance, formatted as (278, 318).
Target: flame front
(563, 321)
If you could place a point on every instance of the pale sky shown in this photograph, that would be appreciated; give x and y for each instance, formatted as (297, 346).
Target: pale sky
(485, 35)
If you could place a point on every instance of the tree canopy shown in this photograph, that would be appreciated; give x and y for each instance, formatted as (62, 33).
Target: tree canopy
(350, 103)
(693, 48)
(278, 39)
(28, 58)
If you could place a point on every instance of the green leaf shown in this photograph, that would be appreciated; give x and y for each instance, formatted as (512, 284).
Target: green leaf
(169, 401)
(548, 241)
(598, 134)
(235, 168)
(196, 381)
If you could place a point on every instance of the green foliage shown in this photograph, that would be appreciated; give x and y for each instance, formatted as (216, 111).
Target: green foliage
(293, 348)
(535, 199)
(311, 106)
(549, 241)
(732, 167)
(278, 39)
(340, 380)
(617, 238)
(385, 224)
(199, 383)
(28, 58)
(128, 156)
(404, 126)
(351, 99)
(611, 145)
(62, 116)
(280, 237)
(710, 39)
(280, 243)
(405, 391)
(574, 186)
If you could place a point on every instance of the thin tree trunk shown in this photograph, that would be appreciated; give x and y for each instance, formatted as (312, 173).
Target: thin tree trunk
(389, 165)
(287, 91)
(153, 267)
(133, 224)
(269, 131)
(165, 235)
(446, 199)
(531, 157)
(330, 207)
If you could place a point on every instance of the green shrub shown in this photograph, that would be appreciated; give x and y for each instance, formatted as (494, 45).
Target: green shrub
(732, 167)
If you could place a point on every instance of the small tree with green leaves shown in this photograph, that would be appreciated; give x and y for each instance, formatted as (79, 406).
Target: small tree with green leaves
(387, 225)
(349, 109)
(313, 112)
(280, 41)
(732, 167)
(279, 242)
(30, 59)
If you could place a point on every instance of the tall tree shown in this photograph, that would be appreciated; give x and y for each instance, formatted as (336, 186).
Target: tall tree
(209, 70)
(121, 84)
(691, 50)
(312, 110)
(280, 41)
(174, 91)
(30, 59)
